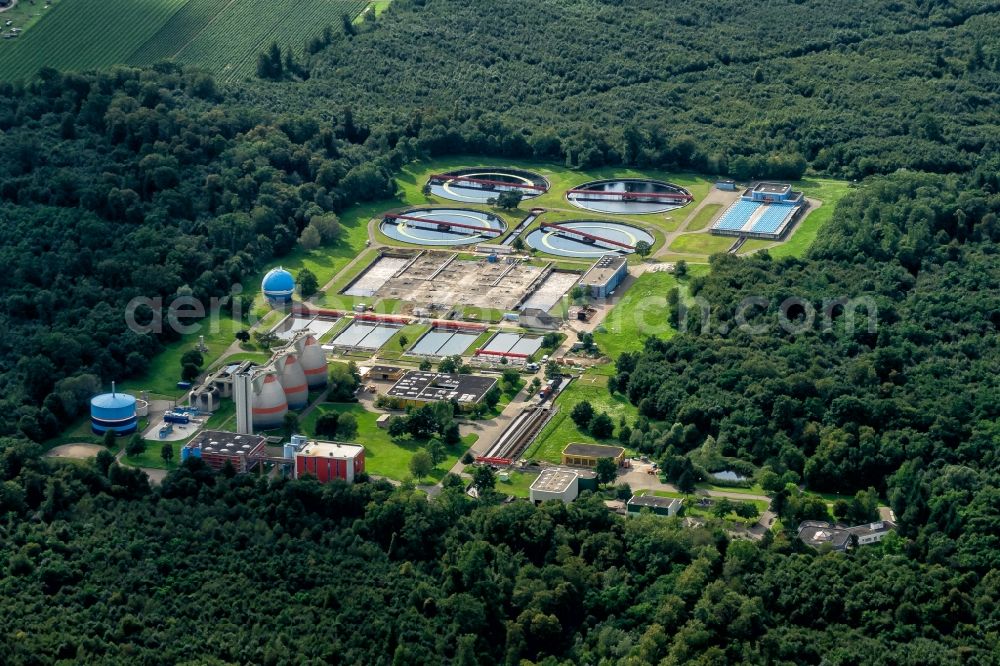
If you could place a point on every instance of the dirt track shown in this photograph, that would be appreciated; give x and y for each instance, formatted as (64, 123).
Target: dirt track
(78, 451)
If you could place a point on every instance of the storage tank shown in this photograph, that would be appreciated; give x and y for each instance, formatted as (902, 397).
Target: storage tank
(269, 405)
(278, 286)
(314, 365)
(113, 411)
(293, 381)
(142, 407)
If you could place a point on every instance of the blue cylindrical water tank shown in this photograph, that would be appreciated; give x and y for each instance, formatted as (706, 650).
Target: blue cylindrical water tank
(113, 411)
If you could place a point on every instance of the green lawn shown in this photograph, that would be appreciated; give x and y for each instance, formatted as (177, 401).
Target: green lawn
(385, 456)
(703, 217)
(752, 490)
(518, 485)
(755, 244)
(828, 191)
(701, 243)
(641, 312)
(561, 430)
(165, 369)
(393, 350)
(338, 326)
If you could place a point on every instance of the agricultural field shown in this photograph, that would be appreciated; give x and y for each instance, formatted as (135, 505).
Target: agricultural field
(225, 36)
(222, 36)
(84, 34)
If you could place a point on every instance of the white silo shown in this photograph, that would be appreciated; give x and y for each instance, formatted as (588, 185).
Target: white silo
(313, 360)
(269, 402)
(293, 381)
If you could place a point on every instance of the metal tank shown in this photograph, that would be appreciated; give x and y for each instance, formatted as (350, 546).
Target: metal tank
(113, 411)
(269, 404)
(293, 381)
(314, 365)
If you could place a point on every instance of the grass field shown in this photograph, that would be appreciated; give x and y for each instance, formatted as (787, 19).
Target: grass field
(829, 192)
(25, 14)
(561, 430)
(222, 36)
(640, 313)
(701, 243)
(385, 456)
(704, 216)
(518, 485)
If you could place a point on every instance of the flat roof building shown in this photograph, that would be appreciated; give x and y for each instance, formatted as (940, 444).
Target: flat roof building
(330, 460)
(661, 506)
(815, 533)
(587, 455)
(779, 189)
(605, 275)
(418, 388)
(383, 373)
(217, 447)
(555, 483)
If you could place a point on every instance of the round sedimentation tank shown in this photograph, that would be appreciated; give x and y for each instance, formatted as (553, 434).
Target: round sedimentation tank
(278, 286)
(480, 184)
(443, 226)
(314, 365)
(628, 196)
(293, 381)
(587, 239)
(269, 404)
(113, 411)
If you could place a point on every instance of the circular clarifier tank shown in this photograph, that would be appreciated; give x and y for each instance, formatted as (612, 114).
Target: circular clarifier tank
(443, 226)
(587, 239)
(480, 184)
(628, 196)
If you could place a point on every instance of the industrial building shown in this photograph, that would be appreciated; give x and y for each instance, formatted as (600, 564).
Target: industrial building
(660, 506)
(765, 211)
(327, 461)
(278, 286)
(418, 388)
(381, 373)
(561, 484)
(605, 275)
(217, 447)
(587, 455)
(264, 393)
(555, 484)
(113, 411)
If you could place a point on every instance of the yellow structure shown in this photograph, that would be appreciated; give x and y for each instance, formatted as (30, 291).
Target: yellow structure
(587, 455)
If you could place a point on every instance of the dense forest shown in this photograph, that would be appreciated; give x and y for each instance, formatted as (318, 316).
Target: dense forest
(158, 182)
(903, 396)
(717, 86)
(223, 569)
(144, 183)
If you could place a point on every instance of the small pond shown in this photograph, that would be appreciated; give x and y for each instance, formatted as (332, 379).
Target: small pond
(728, 475)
